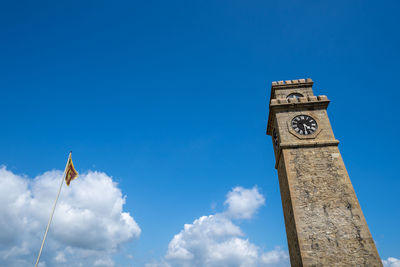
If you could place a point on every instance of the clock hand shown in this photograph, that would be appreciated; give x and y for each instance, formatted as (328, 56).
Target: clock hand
(305, 128)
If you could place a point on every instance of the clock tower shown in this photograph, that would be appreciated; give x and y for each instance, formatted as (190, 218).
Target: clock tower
(324, 222)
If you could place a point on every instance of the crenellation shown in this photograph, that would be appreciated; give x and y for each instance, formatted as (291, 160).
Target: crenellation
(283, 100)
(288, 82)
(302, 99)
(312, 98)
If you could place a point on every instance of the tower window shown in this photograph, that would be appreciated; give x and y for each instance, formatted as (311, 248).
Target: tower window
(275, 136)
(294, 95)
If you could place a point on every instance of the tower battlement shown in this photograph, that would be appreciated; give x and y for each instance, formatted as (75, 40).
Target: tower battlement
(294, 100)
(293, 83)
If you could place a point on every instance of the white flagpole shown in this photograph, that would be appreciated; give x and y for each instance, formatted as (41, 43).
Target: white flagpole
(52, 213)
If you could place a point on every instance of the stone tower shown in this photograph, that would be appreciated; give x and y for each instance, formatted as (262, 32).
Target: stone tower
(324, 222)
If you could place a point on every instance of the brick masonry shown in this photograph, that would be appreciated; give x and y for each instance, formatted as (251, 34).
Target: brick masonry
(324, 222)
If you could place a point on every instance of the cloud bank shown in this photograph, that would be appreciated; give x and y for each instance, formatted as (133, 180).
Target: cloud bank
(215, 240)
(391, 262)
(89, 224)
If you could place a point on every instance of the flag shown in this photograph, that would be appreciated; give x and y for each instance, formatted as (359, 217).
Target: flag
(70, 172)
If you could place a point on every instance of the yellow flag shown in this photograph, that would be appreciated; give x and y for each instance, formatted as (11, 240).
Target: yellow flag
(70, 172)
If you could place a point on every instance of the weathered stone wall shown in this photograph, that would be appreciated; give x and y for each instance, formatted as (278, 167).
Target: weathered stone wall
(290, 224)
(329, 224)
(306, 91)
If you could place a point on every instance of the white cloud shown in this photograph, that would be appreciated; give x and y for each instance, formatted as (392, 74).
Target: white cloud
(243, 203)
(275, 256)
(215, 240)
(104, 262)
(88, 226)
(60, 257)
(201, 239)
(391, 262)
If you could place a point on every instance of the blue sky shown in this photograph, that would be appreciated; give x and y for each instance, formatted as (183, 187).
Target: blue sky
(170, 99)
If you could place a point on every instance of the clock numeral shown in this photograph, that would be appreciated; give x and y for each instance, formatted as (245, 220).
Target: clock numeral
(297, 129)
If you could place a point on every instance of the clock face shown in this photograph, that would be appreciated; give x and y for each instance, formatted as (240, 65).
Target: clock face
(304, 125)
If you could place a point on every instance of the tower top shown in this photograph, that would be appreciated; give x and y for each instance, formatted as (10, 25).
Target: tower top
(290, 85)
(293, 83)
(293, 94)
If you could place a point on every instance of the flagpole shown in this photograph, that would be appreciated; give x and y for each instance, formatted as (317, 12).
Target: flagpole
(52, 213)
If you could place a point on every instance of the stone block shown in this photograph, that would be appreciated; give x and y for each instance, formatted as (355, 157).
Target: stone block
(312, 98)
(283, 101)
